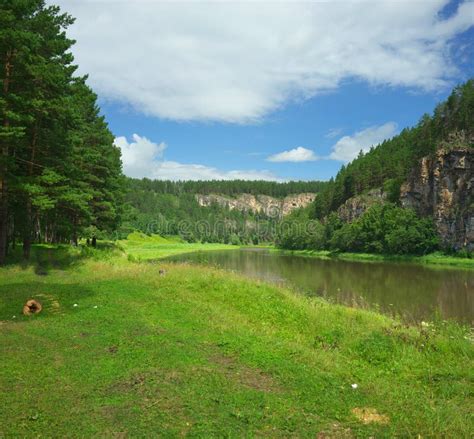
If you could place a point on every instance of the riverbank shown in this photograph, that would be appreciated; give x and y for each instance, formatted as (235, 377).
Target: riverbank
(144, 247)
(141, 247)
(125, 351)
(434, 259)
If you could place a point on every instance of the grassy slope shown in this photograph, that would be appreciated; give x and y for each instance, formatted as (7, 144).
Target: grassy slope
(437, 258)
(142, 247)
(205, 353)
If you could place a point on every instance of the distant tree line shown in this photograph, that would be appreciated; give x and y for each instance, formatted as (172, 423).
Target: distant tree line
(60, 174)
(170, 208)
(226, 187)
(168, 214)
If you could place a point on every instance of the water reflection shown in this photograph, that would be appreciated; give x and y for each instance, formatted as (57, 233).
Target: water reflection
(413, 291)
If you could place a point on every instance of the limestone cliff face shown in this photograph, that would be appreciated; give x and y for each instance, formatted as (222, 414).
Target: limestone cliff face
(273, 207)
(354, 207)
(442, 186)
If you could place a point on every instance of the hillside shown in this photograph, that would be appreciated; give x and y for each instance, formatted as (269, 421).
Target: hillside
(238, 212)
(389, 164)
(411, 194)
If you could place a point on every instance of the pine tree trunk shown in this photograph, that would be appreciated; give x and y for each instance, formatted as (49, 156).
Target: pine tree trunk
(75, 239)
(3, 220)
(3, 168)
(26, 247)
(29, 226)
(27, 232)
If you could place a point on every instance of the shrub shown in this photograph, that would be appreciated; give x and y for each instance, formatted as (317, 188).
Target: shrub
(385, 229)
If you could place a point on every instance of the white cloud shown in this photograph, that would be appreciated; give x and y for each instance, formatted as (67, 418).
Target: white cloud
(168, 170)
(348, 147)
(333, 132)
(139, 156)
(299, 154)
(144, 158)
(238, 61)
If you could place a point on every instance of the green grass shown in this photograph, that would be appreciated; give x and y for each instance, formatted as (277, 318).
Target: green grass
(434, 259)
(205, 353)
(143, 247)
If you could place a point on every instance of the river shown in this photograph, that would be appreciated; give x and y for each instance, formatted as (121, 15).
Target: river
(412, 291)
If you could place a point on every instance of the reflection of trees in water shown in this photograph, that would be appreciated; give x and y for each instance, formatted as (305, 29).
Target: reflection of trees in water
(413, 291)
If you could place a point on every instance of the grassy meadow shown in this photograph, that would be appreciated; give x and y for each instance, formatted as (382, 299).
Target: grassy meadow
(141, 247)
(121, 351)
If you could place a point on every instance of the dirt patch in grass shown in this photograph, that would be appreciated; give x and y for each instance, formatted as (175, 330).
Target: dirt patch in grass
(157, 391)
(368, 415)
(145, 382)
(114, 415)
(112, 349)
(253, 378)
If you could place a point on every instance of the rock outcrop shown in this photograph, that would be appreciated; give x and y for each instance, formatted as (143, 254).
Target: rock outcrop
(354, 207)
(273, 207)
(442, 186)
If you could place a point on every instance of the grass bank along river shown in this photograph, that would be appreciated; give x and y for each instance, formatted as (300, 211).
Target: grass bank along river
(119, 350)
(433, 259)
(413, 291)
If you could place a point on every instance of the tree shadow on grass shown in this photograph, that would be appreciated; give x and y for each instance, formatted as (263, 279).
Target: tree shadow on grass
(44, 258)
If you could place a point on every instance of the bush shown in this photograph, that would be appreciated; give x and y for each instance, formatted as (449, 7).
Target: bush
(385, 229)
(300, 235)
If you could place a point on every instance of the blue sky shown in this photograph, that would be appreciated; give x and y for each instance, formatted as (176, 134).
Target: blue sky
(273, 93)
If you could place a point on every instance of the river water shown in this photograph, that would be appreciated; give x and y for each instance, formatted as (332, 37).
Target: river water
(413, 292)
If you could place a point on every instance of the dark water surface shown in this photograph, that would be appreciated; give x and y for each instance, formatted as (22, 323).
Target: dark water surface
(415, 292)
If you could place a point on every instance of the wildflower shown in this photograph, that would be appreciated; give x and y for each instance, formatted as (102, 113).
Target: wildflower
(354, 386)
(13, 317)
(75, 305)
(95, 306)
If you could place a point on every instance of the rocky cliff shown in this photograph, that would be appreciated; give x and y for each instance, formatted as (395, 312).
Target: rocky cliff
(273, 207)
(354, 207)
(442, 186)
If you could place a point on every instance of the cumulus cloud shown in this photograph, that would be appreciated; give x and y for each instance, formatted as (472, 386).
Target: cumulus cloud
(139, 156)
(238, 61)
(347, 148)
(143, 158)
(299, 154)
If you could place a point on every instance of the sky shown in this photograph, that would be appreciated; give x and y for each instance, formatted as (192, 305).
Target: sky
(279, 91)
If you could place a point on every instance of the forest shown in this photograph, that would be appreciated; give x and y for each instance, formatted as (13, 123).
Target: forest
(60, 174)
(171, 208)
